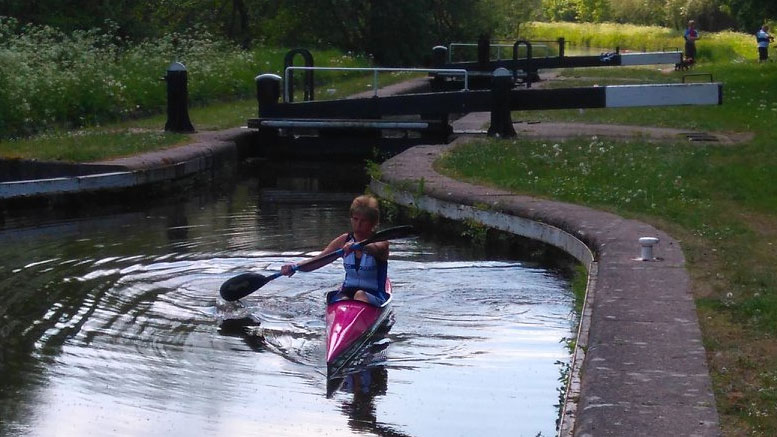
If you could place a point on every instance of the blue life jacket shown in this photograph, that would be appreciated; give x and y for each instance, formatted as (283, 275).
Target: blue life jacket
(366, 273)
(762, 38)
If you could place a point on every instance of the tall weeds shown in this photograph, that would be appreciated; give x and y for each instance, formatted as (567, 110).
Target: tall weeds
(51, 79)
(719, 46)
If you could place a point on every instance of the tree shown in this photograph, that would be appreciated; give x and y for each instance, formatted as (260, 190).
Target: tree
(593, 11)
(750, 14)
(560, 10)
(645, 12)
(400, 32)
(514, 13)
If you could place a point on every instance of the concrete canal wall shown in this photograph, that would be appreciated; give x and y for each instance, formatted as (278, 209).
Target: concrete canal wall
(25, 179)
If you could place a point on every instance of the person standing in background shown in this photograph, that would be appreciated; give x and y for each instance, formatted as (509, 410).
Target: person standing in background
(691, 35)
(763, 38)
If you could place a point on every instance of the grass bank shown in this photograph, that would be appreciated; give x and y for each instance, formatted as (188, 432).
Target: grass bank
(52, 80)
(718, 200)
(146, 134)
(718, 46)
(90, 96)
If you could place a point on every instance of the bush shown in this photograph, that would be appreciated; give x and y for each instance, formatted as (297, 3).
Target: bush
(51, 79)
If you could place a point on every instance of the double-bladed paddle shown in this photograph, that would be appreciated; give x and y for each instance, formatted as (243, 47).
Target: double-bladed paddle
(244, 284)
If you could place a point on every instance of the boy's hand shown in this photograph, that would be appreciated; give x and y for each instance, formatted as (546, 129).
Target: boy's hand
(288, 269)
(348, 248)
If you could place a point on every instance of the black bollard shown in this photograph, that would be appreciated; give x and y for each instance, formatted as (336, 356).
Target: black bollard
(439, 59)
(268, 91)
(484, 49)
(177, 99)
(439, 56)
(531, 71)
(501, 122)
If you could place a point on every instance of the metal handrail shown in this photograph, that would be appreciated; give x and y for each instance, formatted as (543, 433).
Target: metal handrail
(375, 71)
(498, 48)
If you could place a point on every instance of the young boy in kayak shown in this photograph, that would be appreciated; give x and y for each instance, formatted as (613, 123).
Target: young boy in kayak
(365, 269)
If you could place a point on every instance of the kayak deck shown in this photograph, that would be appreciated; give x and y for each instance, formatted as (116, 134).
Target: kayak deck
(349, 325)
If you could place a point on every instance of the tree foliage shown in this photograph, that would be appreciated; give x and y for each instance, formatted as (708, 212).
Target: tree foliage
(399, 31)
(394, 32)
(713, 15)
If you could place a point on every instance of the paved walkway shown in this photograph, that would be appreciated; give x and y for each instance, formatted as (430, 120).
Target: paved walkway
(640, 368)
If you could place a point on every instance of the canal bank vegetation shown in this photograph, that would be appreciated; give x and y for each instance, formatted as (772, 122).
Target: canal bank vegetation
(88, 63)
(83, 64)
(719, 200)
(50, 79)
(723, 46)
(88, 96)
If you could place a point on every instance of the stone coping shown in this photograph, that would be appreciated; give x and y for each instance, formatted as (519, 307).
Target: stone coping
(163, 165)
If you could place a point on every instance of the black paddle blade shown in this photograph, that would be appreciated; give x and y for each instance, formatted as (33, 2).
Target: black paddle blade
(242, 285)
(390, 234)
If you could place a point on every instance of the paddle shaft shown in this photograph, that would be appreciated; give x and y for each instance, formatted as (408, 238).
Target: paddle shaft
(322, 260)
(245, 284)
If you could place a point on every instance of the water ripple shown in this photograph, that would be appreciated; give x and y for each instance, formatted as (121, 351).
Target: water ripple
(116, 324)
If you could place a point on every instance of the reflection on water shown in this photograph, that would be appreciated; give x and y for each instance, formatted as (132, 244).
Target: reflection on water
(112, 325)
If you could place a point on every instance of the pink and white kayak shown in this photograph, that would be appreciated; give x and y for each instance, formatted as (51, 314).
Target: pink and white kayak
(349, 325)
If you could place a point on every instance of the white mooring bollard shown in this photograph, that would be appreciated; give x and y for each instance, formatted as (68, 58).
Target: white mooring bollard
(647, 243)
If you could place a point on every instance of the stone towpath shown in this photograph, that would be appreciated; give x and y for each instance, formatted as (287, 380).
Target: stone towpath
(640, 367)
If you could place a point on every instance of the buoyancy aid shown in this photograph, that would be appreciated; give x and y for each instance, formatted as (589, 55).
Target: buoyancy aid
(762, 38)
(366, 273)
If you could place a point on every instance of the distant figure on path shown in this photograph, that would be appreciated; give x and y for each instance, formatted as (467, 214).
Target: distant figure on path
(763, 38)
(691, 35)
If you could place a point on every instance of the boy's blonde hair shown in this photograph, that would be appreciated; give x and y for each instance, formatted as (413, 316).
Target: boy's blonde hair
(367, 206)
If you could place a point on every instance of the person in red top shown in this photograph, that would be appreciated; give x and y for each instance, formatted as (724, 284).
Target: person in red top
(691, 35)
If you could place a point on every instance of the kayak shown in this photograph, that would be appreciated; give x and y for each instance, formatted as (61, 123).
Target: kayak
(350, 324)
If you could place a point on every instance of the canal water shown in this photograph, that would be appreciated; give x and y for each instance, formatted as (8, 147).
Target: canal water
(110, 324)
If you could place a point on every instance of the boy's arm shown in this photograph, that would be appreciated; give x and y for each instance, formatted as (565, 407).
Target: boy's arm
(313, 264)
(379, 250)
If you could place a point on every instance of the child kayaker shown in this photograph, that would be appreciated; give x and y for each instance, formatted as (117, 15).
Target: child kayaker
(365, 269)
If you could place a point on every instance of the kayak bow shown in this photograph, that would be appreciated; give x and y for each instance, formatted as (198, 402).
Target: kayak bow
(349, 325)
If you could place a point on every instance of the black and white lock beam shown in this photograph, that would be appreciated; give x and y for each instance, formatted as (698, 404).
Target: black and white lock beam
(461, 102)
(618, 96)
(429, 112)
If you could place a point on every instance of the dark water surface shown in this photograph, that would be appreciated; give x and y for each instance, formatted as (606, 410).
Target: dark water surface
(110, 325)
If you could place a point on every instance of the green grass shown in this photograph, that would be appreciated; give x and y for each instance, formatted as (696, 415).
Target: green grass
(720, 46)
(50, 80)
(146, 134)
(88, 145)
(718, 199)
(90, 96)
(748, 95)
